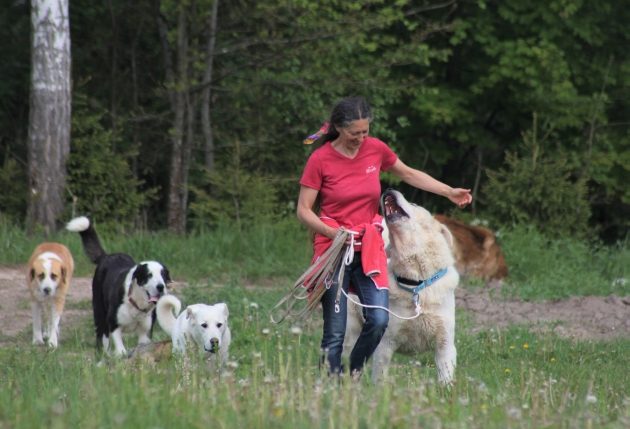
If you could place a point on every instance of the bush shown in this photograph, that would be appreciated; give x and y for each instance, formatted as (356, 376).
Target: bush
(100, 181)
(539, 190)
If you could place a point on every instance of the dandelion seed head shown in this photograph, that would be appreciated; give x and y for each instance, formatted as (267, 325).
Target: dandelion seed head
(296, 330)
(266, 331)
(514, 413)
(591, 399)
(253, 305)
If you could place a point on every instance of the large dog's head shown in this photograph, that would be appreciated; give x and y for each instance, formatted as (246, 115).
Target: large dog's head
(46, 274)
(149, 281)
(419, 246)
(207, 325)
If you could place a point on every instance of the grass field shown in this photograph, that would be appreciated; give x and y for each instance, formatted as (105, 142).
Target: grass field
(509, 378)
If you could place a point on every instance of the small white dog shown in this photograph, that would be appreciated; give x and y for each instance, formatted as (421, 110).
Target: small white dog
(204, 325)
(421, 267)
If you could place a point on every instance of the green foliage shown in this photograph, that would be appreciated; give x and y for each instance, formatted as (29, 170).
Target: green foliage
(233, 193)
(12, 176)
(539, 189)
(100, 180)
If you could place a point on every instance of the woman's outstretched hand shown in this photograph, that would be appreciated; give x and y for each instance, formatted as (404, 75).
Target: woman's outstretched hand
(461, 197)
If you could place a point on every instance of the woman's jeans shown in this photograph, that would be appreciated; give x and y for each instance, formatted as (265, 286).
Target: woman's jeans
(335, 323)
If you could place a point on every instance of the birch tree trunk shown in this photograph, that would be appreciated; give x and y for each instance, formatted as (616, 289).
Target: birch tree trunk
(50, 108)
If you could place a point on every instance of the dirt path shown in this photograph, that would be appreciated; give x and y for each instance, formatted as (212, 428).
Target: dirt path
(583, 318)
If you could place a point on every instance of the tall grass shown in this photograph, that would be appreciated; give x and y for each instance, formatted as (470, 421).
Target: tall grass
(505, 378)
(541, 268)
(508, 378)
(228, 253)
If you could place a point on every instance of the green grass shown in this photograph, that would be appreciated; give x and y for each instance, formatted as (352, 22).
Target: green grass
(553, 269)
(508, 378)
(505, 378)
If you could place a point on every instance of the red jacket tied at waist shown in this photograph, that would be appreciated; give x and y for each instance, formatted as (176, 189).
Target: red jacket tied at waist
(368, 241)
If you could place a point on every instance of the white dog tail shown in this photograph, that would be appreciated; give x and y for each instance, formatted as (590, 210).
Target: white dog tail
(166, 311)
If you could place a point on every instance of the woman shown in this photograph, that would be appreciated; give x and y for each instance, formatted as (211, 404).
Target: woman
(344, 173)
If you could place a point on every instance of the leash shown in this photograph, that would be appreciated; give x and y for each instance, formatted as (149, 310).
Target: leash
(415, 291)
(317, 279)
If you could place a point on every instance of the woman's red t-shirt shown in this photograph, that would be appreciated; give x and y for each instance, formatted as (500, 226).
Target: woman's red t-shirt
(349, 189)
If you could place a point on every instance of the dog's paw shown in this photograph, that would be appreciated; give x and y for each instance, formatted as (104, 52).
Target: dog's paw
(38, 341)
(52, 343)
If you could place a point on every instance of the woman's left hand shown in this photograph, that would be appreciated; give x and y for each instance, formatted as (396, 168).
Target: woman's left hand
(460, 196)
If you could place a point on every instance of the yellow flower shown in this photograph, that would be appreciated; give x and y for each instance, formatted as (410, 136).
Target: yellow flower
(512, 347)
(525, 346)
(507, 370)
(553, 359)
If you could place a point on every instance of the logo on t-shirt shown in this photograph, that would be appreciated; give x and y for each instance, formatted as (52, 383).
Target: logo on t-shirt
(370, 169)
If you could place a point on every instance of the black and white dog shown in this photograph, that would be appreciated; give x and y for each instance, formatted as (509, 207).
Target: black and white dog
(124, 293)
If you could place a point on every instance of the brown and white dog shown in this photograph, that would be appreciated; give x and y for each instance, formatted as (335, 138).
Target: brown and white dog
(50, 270)
(477, 253)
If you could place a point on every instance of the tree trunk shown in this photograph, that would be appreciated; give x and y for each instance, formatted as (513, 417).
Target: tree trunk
(49, 117)
(206, 121)
(178, 87)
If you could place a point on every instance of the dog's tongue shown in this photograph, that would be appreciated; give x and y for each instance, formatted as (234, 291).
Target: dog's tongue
(153, 298)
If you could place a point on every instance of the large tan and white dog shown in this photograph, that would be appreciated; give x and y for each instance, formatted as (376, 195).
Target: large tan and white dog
(419, 250)
(50, 270)
(201, 325)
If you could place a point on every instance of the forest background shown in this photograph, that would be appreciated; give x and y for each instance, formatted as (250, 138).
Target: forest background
(186, 114)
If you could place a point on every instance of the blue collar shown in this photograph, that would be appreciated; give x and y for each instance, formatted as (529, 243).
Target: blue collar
(415, 287)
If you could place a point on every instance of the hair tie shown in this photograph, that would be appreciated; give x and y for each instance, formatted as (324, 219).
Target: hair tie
(313, 137)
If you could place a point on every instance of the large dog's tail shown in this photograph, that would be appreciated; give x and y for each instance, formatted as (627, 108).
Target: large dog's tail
(166, 311)
(91, 243)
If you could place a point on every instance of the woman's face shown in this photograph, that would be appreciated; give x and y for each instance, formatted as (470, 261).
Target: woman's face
(353, 135)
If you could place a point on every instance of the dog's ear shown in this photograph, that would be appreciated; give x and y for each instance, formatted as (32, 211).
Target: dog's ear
(447, 234)
(141, 274)
(190, 314)
(166, 276)
(223, 308)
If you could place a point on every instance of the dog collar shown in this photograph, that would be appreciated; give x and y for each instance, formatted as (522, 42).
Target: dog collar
(415, 286)
(133, 302)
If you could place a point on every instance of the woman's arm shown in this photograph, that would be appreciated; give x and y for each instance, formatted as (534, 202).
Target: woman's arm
(421, 180)
(307, 216)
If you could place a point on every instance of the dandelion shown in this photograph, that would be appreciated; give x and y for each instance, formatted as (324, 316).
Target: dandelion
(553, 359)
(619, 282)
(253, 305)
(591, 399)
(512, 347)
(514, 413)
(266, 331)
(296, 330)
(526, 346)
(507, 370)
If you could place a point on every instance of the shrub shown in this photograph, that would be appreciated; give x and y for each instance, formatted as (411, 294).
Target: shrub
(541, 190)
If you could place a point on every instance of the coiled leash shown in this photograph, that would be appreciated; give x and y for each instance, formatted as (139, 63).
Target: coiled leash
(323, 274)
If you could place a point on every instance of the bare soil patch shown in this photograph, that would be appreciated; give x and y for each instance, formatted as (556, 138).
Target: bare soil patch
(580, 318)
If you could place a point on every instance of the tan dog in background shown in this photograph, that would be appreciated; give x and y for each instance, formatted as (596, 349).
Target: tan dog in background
(50, 270)
(477, 253)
